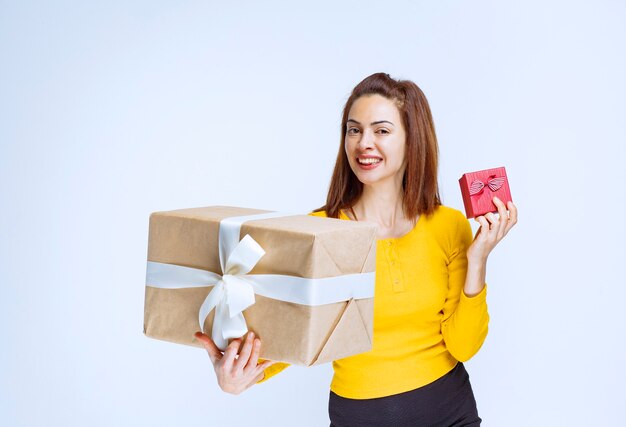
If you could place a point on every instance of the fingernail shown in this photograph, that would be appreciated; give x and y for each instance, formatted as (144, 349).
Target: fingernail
(496, 198)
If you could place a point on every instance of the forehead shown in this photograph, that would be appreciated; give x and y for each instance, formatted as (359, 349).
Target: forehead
(369, 108)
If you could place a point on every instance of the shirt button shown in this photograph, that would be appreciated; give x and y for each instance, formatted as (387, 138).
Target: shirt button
(396, 281)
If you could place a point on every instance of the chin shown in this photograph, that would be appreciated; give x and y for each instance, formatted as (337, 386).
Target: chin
(368, 180)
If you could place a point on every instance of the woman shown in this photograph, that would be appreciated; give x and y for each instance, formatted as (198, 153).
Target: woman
(430, 311)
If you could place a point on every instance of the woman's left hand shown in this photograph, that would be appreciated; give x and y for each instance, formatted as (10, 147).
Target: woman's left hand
(492, 230)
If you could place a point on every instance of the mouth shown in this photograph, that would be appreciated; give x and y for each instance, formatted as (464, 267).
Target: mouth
(368, 162)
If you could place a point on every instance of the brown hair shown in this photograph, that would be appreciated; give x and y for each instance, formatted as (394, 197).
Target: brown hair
(419, 183)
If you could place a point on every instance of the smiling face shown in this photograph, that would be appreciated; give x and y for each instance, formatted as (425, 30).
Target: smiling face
(375, 140)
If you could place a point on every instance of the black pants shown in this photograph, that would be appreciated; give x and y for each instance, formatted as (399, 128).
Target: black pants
(449, 401)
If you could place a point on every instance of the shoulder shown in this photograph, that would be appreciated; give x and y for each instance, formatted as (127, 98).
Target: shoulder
(447, 217)
(450, 228)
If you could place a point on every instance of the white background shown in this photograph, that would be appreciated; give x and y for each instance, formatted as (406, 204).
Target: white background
(112, 110)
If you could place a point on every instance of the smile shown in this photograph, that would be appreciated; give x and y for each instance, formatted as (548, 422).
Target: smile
(369, 161)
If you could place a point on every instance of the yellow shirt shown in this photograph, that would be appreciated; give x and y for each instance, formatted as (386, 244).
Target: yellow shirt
(423, 321)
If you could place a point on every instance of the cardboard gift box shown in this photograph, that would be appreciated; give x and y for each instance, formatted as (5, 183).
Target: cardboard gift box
(303, 284)
(479, 188)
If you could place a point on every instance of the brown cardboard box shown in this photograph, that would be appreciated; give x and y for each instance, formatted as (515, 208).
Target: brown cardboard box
(301, 246)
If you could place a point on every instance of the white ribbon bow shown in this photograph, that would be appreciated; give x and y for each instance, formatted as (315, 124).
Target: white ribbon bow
(231, 295)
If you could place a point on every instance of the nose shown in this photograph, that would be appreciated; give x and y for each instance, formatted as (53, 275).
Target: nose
(366, 140)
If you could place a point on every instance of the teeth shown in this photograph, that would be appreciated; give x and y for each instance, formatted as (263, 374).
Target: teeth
(368, 161)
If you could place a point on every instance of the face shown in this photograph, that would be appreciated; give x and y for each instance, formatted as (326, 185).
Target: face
(375, 140)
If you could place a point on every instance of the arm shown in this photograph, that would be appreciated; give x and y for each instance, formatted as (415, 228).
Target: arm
(465, 321)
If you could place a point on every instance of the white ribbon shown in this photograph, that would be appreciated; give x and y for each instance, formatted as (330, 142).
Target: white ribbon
(234, 291)
(298, 290)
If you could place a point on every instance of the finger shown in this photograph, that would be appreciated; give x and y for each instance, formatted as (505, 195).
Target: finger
(484, 227)
(230, 353)
(499, 205)
(512, 218)
(494, 224)
(241, 362)
(499, 229)
(214, 352)
(258, 378)
(263, 366)
(255, 380)
(254, 357)
(513, 214)
(504, 218)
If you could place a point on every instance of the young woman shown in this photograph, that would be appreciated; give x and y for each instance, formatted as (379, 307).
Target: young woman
(430, 310)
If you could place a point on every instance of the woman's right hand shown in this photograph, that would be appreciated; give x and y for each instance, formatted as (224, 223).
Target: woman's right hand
(236, 370)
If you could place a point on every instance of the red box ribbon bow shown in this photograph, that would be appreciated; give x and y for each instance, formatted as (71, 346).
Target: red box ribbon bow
(493, 183)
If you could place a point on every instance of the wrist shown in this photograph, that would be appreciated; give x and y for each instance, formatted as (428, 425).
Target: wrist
(476, 275)
(477, 263)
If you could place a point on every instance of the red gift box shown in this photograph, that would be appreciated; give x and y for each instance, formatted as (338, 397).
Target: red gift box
(479, 188)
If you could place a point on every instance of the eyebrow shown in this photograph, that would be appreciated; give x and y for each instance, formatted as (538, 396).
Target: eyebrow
(373, 123)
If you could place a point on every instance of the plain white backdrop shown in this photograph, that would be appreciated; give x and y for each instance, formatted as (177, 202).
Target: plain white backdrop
(112, 110)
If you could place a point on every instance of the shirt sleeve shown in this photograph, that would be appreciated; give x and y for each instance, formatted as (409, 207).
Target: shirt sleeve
(273, 370)
(465, 319)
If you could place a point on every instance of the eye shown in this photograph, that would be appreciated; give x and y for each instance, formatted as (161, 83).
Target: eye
(353, 131)
(383, 131)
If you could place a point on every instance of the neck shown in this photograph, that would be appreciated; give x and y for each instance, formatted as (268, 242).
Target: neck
(381, 204)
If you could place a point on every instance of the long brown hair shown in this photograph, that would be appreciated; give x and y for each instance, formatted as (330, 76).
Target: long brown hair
(419, 183)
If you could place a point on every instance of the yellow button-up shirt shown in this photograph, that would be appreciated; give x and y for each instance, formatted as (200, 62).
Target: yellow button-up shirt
(423, 321)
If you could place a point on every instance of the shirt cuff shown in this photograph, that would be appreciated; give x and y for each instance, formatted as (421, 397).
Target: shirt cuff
(272, 370)
(479, 298)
